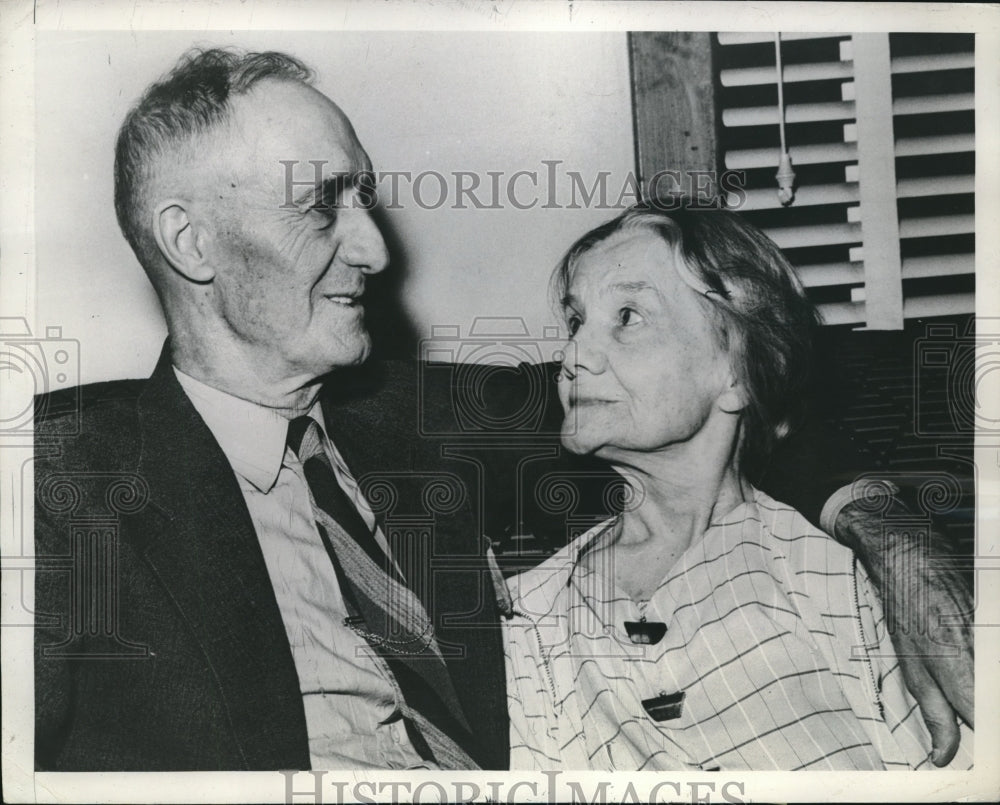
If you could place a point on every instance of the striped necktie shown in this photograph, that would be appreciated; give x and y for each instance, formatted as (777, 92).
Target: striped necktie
(306, 441)
(383, 610)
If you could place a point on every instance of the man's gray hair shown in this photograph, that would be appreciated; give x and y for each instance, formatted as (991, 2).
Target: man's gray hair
(192, 99)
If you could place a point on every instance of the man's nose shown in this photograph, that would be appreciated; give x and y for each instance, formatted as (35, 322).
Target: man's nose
(362, 244)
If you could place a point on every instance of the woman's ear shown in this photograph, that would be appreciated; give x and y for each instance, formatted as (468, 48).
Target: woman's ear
(733, 398)
(180, 242)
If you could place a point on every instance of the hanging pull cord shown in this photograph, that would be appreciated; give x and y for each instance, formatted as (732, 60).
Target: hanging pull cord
(785, 174)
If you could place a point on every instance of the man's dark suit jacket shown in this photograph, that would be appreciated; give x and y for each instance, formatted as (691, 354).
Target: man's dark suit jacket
(159, 643)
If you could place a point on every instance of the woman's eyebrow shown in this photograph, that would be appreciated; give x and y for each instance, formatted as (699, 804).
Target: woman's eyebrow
(634, 287)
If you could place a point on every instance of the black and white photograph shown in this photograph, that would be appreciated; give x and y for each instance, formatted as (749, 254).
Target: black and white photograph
(499, 401)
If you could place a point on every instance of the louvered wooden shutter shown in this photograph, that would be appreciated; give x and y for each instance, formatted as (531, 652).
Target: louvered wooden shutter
(880, 128)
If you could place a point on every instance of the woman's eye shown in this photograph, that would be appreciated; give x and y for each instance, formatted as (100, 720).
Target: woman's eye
(627, 316)
(573, 324)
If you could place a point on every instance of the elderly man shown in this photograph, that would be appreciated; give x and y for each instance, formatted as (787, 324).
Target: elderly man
(272, 633)
(216, 590)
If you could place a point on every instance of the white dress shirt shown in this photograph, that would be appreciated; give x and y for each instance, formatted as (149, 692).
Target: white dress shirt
(350, 698)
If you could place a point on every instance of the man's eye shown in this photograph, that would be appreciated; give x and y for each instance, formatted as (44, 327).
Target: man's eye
(324, 214)
(573, 324)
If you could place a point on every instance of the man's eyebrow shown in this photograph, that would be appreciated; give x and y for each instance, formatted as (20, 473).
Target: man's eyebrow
(568, 301)
(328, 192)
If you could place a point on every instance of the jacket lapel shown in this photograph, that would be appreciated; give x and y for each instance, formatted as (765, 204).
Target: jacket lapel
(200, 541)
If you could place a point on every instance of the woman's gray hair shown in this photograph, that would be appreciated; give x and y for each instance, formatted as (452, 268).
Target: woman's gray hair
(762, 316)
(190, 100)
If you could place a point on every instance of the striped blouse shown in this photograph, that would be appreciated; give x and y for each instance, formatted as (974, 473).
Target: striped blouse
(775, 656)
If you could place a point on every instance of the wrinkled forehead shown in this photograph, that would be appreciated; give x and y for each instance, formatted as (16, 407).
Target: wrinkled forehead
(653, 247)
(627, 256)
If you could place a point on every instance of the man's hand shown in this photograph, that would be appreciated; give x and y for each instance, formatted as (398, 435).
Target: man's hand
(937, 665)
(928, 608)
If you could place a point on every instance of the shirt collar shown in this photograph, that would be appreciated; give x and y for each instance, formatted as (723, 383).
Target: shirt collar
(562, 567)
(251, 435)
(537, 590)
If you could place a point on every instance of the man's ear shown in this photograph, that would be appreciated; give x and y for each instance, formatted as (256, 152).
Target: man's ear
(180, 241)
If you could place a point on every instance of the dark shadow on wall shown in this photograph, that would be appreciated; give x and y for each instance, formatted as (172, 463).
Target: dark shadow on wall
(898, 405)
(394, 335)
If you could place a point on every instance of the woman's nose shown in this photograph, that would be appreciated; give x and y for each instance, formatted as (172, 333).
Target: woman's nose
(567, 369)
(583, 353)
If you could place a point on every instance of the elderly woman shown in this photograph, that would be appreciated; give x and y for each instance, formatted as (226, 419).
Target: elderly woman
(706, 626)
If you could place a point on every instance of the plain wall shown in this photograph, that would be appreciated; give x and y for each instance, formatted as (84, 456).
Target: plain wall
(420, 102)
